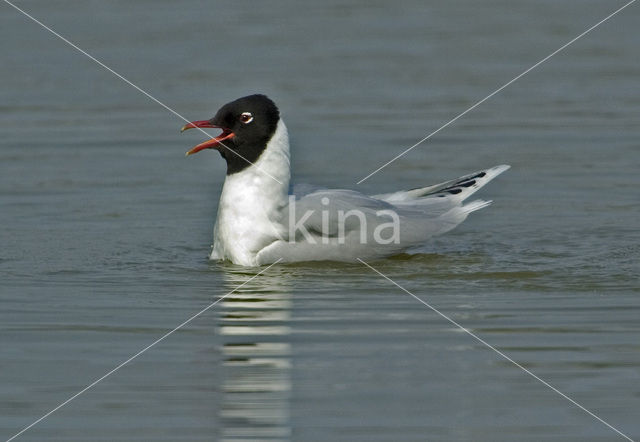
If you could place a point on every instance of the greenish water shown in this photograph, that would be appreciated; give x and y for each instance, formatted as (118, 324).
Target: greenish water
(106, 226)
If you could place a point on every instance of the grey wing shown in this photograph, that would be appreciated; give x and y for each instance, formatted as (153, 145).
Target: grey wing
(349, 216)
(337, 225)
(345, 225)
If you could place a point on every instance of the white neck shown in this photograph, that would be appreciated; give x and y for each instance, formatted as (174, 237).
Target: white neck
(251, 202)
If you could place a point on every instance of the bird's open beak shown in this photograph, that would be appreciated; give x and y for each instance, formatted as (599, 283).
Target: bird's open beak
(213, 143)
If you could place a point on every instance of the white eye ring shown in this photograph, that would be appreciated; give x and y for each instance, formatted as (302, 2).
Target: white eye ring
(246, 117)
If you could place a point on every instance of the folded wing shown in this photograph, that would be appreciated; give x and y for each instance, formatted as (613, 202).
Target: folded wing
(335, 224)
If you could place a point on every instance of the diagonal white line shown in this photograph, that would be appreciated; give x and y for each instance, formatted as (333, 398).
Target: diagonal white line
(485, 343)
(139, 89)
(166, 335)
(495, 92)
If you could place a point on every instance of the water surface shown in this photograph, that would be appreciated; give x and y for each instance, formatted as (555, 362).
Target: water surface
(106, 226)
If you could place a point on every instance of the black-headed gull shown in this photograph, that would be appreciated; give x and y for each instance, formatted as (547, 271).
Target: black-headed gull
(259, 222)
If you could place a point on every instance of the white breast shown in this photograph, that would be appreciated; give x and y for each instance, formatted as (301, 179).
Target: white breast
(251, 203)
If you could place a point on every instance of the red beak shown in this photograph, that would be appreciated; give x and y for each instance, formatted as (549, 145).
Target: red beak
(213, 143)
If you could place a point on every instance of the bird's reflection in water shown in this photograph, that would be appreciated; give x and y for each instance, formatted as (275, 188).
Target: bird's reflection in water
(254, 335)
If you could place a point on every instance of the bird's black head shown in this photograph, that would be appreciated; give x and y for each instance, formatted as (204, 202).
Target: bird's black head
(247, 124)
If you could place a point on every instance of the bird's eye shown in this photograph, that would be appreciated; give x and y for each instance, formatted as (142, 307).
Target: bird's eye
(246, 117)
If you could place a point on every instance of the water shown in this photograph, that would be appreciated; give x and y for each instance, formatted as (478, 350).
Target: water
(106, 226)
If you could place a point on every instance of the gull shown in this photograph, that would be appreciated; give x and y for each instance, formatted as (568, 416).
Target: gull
(260, 221)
